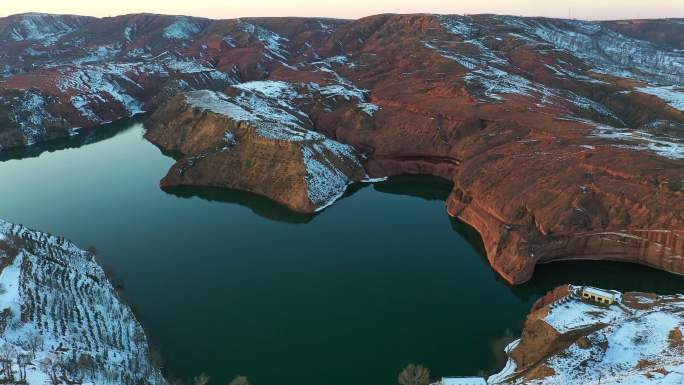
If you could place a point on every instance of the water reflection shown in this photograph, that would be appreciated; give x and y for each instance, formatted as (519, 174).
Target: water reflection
(86, 137)
(262, 206)
(377, 281)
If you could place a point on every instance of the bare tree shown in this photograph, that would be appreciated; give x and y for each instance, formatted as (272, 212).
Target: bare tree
(239, 380)
(7, 354)
(93, 250)
(34, 342)
(12, 245)
(202, 379)
(414, 374)
(23, 360)
(50, 367)
(87, 364)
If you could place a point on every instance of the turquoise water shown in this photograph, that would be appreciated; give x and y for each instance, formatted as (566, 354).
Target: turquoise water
(229, 283)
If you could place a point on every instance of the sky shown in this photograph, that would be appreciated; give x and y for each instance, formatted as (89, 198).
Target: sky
(352, 9)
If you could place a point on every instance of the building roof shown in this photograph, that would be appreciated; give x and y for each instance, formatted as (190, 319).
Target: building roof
(599, 292)
(463, 381)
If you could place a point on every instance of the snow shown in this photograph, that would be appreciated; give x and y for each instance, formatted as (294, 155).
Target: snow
(369, 108)
(368, 179)
(181, 29)
(651, 341)
(509, 369)
(605, 50)
(272, 42)
(44, 28)
(270, 89)
(61, 298)
(325, 182)
(630, 345)
(338, 90)
(462, 381)
(230, 138)
(458, 25)
(672, 95)
(101, 53)
(493, 82)
(128, 32)
(269, 109)
(95, 84)
(217, 103)
(32, 116)
(578, 315)
(672, 148)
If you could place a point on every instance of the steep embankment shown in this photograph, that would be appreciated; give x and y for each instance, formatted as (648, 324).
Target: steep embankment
(62, 321)
(568, 341)
(257, 141)
(564, 139)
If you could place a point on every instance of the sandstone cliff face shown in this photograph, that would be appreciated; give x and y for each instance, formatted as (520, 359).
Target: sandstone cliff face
(568, 341)
(254, 141)
(564, 139)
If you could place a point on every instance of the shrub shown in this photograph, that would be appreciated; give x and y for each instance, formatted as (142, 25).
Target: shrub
(414, 374)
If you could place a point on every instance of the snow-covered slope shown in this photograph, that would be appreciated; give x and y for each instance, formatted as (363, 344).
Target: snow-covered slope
(44, 29)
(61, 318)
(636, 341)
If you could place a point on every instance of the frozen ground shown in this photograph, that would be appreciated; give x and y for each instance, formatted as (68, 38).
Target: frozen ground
(62, 318)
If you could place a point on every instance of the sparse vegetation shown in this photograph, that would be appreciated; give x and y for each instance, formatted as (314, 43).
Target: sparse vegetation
(71, 323)
(202, 379)
(239, 380)
(414, 374)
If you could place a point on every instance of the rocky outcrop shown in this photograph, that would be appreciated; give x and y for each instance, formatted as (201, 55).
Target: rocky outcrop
(61, 320)
(563, 138)
(570, 341)
(254, 140)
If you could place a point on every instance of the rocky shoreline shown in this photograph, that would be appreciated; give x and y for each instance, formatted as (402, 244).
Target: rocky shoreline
(563, 138)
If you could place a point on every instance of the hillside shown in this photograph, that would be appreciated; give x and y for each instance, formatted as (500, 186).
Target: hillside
(61, 320)
(564, 139)
(566, 340)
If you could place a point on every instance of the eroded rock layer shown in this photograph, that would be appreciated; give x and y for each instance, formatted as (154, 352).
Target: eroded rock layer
(564, 139)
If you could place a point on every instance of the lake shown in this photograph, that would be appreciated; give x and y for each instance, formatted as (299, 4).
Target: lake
(230, 283)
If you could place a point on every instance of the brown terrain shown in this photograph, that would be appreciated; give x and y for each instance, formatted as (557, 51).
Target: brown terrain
(563, 139)
(566, 339)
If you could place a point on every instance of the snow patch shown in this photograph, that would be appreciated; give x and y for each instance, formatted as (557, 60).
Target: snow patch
(672, 95)
(181, 29)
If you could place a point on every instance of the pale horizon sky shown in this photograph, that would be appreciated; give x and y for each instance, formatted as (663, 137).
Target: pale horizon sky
(352, 9)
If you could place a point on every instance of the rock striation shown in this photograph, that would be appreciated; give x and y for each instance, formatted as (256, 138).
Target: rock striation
(564, 139)
(255, 141)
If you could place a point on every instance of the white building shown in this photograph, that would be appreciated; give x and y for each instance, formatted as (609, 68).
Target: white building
(602, 297)
(462, 381)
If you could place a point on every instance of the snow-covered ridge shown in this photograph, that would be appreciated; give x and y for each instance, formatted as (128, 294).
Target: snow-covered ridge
(62, 310)
(637, 340)
(44, 28)
(489, 76)
(606, 50)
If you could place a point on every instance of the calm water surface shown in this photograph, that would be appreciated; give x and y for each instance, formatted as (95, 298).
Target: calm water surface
(229, 283)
